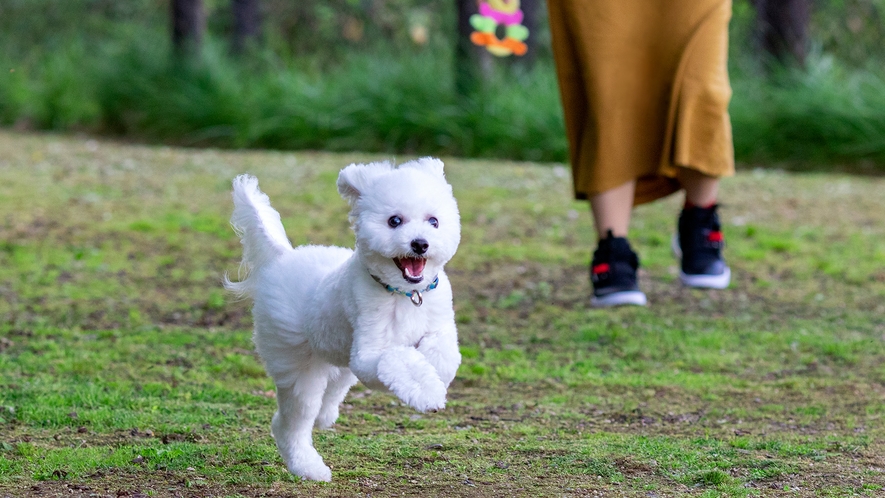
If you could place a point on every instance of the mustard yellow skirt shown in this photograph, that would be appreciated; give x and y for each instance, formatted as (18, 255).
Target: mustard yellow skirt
(645, 90)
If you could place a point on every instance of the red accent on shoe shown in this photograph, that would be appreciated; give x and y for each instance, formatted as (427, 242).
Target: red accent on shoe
(715, 237)
(601, 268)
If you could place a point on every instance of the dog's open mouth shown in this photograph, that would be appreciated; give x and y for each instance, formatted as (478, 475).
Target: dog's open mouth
(412, 268)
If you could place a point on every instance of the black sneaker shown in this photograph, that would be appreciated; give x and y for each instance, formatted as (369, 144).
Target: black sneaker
(613, 274)
(699, 245)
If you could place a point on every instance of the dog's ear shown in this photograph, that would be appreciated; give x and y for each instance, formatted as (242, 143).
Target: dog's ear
(354, 179)
(430, 165)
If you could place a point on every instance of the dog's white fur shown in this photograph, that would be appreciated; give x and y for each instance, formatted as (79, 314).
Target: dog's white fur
(322, 321)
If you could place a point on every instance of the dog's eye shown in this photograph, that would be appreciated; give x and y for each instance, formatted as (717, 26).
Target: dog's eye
(394, 221)
(433, 222)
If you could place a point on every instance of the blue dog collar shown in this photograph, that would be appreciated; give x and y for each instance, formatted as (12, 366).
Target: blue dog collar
(413, 295)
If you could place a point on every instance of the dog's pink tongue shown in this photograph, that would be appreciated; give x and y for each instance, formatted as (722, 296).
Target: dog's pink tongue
(412, 267)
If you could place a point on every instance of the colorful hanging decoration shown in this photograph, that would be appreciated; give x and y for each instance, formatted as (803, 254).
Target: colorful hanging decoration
(499, 28)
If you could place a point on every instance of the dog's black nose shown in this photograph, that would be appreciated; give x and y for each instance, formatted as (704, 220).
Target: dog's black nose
(420, 246)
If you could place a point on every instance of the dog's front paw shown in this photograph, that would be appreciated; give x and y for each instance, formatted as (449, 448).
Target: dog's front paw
(422, 396)
(431, 398)
(412, 379)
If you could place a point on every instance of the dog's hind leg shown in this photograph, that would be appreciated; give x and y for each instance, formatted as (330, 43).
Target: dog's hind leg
(340, 382)
(298, 407)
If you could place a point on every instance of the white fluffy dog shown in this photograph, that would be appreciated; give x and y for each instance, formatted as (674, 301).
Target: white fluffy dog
(327, 316)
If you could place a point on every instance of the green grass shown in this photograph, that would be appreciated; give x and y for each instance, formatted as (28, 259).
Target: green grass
(125, 368)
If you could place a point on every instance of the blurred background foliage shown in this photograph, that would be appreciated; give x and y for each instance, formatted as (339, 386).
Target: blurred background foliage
(378, 75)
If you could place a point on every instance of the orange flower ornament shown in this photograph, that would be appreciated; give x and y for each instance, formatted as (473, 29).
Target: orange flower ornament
(499, 28)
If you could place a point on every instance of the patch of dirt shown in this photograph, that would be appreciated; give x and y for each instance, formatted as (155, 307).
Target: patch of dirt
(113, 484)
(172, 485)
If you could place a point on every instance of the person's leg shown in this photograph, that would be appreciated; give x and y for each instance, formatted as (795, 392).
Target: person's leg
(700, 190)
(612, 210)
(700, 241)
(614, 265)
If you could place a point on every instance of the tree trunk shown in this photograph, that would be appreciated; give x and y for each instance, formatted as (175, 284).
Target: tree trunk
(188, 24)
(472, 63)
(530, 9)
(247, 23)
(782, 29)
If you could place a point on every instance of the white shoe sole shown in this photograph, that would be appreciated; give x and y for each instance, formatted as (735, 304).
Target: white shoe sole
(636, 298)
(707, 281)
(700, 281)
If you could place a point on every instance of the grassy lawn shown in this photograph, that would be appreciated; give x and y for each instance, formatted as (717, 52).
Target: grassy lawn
(125, 370)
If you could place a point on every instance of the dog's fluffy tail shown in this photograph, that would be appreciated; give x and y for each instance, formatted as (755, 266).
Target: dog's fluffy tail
(260, 231)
